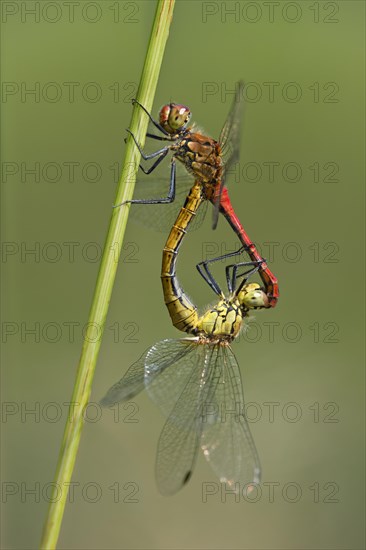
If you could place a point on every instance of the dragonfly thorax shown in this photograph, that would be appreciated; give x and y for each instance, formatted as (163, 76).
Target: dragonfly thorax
(223, 321)
(201, 157)
(174, 118)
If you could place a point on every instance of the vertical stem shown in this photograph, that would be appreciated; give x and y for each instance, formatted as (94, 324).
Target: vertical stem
(106, 276)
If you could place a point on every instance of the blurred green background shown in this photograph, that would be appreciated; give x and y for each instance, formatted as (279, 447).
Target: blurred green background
(303, 360)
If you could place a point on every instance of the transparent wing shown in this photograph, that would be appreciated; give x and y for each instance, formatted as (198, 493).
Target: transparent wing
(179, 441)
(226, 440)
(166, 389)
(231, 132)
(230, 143)
(161, 217)
(152, 363)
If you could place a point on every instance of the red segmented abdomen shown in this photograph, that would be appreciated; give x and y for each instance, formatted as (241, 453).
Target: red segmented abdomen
(269, 280)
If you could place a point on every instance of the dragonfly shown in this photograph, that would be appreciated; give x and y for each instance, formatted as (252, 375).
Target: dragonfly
(196, 382)
(209, 162)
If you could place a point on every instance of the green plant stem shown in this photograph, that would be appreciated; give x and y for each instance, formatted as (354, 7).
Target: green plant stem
(106, 276)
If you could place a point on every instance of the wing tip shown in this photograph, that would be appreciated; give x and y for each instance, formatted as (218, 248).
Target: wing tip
(187, 477)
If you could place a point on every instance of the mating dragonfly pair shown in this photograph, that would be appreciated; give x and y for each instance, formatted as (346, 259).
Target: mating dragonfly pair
(196, 380)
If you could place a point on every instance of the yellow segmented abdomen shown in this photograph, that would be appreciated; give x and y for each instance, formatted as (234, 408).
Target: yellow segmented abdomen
(182, 311)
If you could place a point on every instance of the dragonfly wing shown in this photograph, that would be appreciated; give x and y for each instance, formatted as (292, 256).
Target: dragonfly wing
(151, 364)
(231, 132)
(179, 441)
(230, 143)
(166, 389)
(161, 217)
(130, 384)
(226, 440)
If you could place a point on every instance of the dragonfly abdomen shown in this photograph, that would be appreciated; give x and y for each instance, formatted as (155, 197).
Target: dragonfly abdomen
(182, 311)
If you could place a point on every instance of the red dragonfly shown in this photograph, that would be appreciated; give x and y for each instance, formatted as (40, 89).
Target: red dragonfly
(209, 162)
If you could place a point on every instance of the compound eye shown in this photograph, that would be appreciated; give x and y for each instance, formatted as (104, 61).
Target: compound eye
(179, 116)
(252, 296)
(164, 114)
(256, 299)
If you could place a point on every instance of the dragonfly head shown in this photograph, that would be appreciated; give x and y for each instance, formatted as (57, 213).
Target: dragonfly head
(174, 118)
(251, 296)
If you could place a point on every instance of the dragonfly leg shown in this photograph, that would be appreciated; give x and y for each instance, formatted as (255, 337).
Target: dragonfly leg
(160, 138)
(155, 123)
(153, 136)
(162, 151)
(246, 274)
(169, 198)
(156, 163)
(204, 266)
(204, 271)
